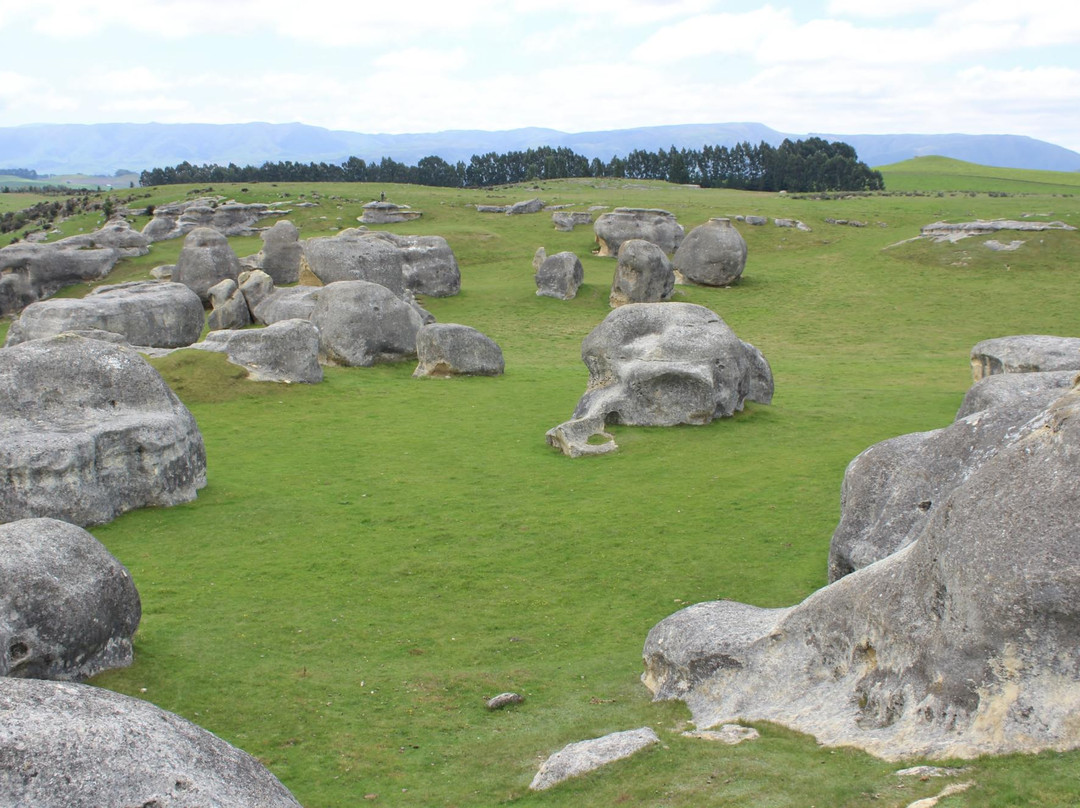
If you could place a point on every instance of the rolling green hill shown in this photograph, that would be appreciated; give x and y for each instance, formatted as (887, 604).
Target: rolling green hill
(946, 174)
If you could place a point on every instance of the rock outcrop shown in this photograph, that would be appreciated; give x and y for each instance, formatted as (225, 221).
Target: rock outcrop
(559, 276)
(205, 260)
(643, 274)
(355, 255)
(622, 224)
(1008, 389)
(66, 745)
(1024, 354)
(961, 644)
(661, 364)
(280, 255)
(89, 430)
(450, 349)
(230, 219)
(428, 264)
(388, 213)
(945, 231)
(287, 351)
(145, 313)
(361, 323)
(32, 272)
(566, 220)
(228, 306)
(712, 254)
(68, 608)
(116, 234)
(292, 303)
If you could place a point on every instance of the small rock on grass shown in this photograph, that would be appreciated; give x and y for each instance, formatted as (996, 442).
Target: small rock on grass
(730, 734)
(504, 700)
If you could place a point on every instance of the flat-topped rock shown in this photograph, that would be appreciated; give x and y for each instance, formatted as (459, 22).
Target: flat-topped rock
(651, 224)
(1024, 354)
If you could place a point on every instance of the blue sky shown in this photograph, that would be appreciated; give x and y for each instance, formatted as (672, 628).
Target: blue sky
(834, 66)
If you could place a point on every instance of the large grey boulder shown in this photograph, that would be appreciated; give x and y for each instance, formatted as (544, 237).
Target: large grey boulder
(1016, 388)
(712, 254)
(428, 264)
(256, 286)
(117, 234)
(32, 272)
(281, 252)
(961, 644)
(661, 364)
(382, 212)
(287, 351)
(525, 206)
(66, 745)
(230, 219)
(450, 349)
(355, 255)
(147, 313)
(228, 306)
(585, 756)
(651, 224)
(205, 260)
(68, 608)
(643, 275)
(361, 323)
(559, 276)
(291, 303)
(566, 220)
(89, 430)
(1024, 354)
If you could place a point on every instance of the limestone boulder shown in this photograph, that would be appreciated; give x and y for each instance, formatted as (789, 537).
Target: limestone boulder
(1024, 354)
(290, 303)
(65, 745)
(428, 264)
(525, 206)
(32, 272)
(355, 255)
(362, 323)
(89, 430)
(450, 349)
(559, 276)
(256, 286)
(622, 224)
(643, 274)
(117, 234)
(147, 313)
(68, 608)
(281, 252)
(286, 351)
(661, 364)
(383, 212)
(228, 306)
(961, 644)
(582, 757)
(205, 260)
(1003, 389)
(712, 254)
(566, 220)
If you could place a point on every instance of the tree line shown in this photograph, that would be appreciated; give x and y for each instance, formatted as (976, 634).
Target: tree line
(807, 165)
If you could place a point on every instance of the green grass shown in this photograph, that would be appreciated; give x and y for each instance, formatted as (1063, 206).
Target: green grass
(947, 174)
(376, 555)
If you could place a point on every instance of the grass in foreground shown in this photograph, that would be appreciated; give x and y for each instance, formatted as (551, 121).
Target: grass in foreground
(376, 555)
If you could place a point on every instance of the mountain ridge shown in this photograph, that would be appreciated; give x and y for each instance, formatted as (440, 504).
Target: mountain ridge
(106, 148)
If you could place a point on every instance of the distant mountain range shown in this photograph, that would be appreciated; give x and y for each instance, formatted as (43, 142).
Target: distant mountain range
(107, 148)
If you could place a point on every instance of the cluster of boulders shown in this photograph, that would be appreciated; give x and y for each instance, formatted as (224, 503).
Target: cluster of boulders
(949, 627)
(226, 217)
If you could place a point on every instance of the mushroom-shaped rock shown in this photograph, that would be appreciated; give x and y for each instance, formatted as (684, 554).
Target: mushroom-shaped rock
(67, 745)
(662, 364)
(1024, 354)
(355, 255)
(622, 224)
(429, 265)
(450, 349)
(961, 644)
(712, 254)
(559, 276)
(286, 351)
(89, 430)
(281, 252)
(643, 274)
(229, 308)
(1015, 388)
(361, 323)
(68, 608)
(146, 313)
(205, 260)
(31, 272)
(381, 212)
(585, 756)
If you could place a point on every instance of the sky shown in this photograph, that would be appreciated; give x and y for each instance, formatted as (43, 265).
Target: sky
(812, 66)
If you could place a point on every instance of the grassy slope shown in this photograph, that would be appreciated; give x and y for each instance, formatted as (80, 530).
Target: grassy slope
(376, 555)
(946, 174)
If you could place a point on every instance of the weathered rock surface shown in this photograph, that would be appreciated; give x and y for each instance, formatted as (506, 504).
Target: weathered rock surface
(256, 286)
(230, 219)
(32, 272)
(281, 252)
(205, 260)
(116, 234)
(661, 364)
(559, 276)
(428, 264)
(450, 349)
(228, 306)
(388, 213)
(287, 351)
(961, 644)
(66, 745)
(150, 313)
(729, 734)
(565, 221)
(68, 608)
(585, 756)
(712, 254)
(89, 430)
(526, 206)
(623, 224)
(643, 274)
(1024, 354)
(1008, 389)
(361, 323)
(944, 231)
(291, 303)
(355, 255)
(793, 223)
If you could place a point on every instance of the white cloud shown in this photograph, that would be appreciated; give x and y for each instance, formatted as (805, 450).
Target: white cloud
(715, 33)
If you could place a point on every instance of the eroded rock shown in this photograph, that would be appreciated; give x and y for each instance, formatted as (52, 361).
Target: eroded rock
(585, 756)
(643, 274)
(205, 260)
(286, 351)
(32, 272)
(1024, 354)
(712, 254)
(622, 224)
(450, 349)
(559, 276)
(361, 323)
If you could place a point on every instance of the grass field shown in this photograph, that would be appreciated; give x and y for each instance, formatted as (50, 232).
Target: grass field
(376, 555)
